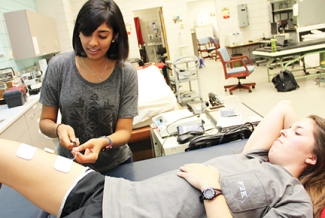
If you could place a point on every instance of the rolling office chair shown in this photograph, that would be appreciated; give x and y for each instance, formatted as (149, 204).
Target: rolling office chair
(204, 46)
(215, 43)
(161, 54)
(236, 72)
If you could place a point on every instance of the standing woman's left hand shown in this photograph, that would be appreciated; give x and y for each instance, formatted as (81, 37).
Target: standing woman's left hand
(92, 148)
(200, 176)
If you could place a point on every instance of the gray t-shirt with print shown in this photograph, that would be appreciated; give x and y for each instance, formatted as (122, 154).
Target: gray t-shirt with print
(91, 109)
(251, 185)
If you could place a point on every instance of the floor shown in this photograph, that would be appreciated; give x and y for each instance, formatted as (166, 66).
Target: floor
(308, 99)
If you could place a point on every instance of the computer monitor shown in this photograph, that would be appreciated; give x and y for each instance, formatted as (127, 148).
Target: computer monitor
(280, 40)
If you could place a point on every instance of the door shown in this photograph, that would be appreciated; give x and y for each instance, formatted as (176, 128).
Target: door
(163, 30)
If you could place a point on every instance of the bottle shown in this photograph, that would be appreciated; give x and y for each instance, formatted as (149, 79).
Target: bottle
(273, 45)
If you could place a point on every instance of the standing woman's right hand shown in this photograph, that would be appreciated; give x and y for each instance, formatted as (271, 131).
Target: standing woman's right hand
(66, 136)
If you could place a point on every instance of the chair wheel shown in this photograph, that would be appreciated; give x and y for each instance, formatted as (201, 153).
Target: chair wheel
(225, 90)
(250, 91)
(253, 87)
(230, 93)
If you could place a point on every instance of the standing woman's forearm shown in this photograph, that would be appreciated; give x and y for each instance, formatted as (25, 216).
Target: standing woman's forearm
(123, 131)
(48, 128)
(48, 124)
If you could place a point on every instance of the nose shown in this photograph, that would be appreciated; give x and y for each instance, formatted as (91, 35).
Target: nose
(93, 41)
(283, 132)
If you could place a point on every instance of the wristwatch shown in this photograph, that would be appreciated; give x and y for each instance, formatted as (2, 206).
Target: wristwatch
(210, 193)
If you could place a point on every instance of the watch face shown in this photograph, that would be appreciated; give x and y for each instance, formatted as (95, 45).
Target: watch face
(209, 193)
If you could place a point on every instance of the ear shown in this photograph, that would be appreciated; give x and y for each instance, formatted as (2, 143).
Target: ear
(312, 160)
(115, 37)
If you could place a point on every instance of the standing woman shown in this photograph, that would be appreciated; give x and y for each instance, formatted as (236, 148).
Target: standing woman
(94, 88)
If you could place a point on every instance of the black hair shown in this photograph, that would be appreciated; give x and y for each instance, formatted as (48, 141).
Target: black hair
(94, 13)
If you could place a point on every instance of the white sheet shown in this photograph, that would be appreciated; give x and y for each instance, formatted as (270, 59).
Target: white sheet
(155, 96)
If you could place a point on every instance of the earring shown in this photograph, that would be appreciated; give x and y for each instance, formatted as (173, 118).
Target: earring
(113, 41)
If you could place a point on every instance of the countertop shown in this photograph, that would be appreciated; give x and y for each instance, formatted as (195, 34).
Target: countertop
(9, 115)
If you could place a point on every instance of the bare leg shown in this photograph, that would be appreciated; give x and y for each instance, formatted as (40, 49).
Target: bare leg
(36, 179)
(281, 116)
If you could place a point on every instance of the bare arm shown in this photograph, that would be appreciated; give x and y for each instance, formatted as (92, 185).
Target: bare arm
(49, 127)
(281, 116)
(201, 177)
(48, 121)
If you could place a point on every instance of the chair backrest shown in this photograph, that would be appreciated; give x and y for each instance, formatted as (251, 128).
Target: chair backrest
(203, 41)
(161, 50)
(215, 42)
(224, 56)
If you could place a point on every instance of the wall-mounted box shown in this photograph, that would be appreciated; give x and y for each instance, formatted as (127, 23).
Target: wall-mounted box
(242, 15)
(31, 34)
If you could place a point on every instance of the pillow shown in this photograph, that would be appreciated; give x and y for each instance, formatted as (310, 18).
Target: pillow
(155, 96)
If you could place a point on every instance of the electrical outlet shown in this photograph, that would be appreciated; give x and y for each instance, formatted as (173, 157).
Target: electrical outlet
(11, 54)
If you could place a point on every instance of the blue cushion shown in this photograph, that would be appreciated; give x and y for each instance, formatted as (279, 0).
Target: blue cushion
(203, 41)
(240, 69)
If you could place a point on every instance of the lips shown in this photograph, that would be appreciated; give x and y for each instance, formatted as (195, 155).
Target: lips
(93, 51)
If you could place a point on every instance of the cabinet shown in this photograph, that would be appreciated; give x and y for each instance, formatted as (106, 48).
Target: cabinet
(26, 129)
(204, 31)
(282, 16)
(31, 34)
(186, 70)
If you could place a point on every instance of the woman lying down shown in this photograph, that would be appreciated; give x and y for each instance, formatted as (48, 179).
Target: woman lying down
(279, 174)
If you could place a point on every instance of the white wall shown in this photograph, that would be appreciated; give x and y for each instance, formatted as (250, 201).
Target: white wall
(65, 12)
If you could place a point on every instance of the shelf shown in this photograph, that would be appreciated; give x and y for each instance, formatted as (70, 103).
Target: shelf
(290, 30)
(284, 10)
(190, 97)
(191, 78)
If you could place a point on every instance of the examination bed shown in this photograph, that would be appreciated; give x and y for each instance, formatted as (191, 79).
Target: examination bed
(12, 204)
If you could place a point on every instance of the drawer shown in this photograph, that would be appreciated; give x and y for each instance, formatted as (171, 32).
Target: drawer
(15, 130)
(33, 114)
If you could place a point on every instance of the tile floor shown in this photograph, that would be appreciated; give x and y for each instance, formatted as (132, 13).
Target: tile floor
(308, 99)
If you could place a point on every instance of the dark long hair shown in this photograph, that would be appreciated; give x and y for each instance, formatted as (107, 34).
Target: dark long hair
(94, 13)
(313, 177)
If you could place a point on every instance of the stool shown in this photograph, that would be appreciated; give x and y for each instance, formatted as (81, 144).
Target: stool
(322, 68)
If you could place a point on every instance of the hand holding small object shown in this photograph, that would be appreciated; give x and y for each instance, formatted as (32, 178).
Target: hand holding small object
(91, 150)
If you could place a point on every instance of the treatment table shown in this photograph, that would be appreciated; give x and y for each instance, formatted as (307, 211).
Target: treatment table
(299, 50)
(12, 204)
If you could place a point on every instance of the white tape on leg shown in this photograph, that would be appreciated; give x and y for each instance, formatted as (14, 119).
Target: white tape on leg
(26, 152)
(63, 164)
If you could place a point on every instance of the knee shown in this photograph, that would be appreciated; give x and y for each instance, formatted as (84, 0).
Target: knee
(285, 103)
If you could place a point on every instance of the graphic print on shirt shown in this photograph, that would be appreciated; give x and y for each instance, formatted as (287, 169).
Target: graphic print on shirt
(243, 192)
(92, 119)
(242, 189)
